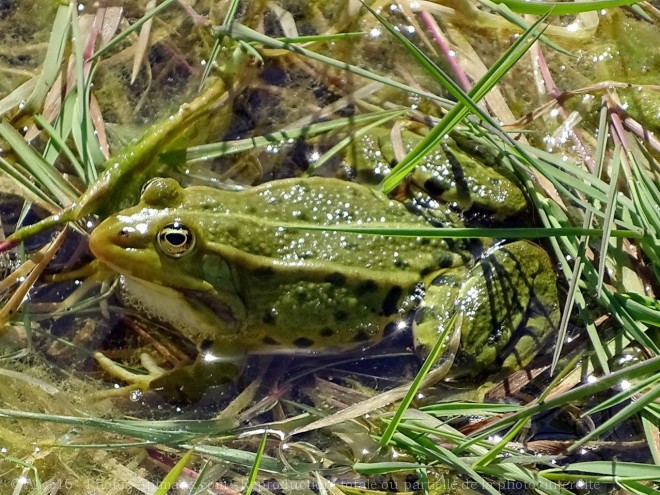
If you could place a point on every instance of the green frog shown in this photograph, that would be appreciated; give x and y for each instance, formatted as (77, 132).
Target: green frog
(241, 272)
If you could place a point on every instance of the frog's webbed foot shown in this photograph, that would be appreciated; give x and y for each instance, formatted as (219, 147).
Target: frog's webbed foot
(136, 381)
(182, 384)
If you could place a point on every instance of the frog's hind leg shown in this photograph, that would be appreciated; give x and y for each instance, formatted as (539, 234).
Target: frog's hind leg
(508, 309)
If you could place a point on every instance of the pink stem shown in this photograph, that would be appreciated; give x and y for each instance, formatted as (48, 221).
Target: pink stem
(443, 44)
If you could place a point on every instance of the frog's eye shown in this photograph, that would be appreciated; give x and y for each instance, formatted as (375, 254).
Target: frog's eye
(176, 240)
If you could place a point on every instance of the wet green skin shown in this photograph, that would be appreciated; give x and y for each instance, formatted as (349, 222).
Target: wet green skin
(226, 267)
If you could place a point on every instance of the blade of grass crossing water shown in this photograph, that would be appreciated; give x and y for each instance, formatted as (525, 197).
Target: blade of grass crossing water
(609, 470)
(626, 394)
(608, 223)
(243, 33)
(217, 46)
(224, 148)
(567, 310)
(252, 478)
(417, 382)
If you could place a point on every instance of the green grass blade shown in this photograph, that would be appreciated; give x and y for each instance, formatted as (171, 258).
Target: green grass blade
(224, 148)
(470, 232)
(56, 48)
(624, 395)
(46, 175)
(17, 173)
(252, 477)
(618, 418)
(417, 382)
(576, 394)
(496, 450)
(60, 145)
(444, 409)
(612, 469)
(637, 488)
(376, 468)
(169, 481)
(562, 8)
(571, 295)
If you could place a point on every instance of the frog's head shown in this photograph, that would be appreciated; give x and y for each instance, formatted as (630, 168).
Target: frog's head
(155, 241)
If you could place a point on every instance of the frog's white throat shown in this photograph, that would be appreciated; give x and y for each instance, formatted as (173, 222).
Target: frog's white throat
(170, 307)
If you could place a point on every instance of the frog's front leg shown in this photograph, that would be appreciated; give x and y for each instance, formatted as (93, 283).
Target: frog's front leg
(507, 307)
(213, 366)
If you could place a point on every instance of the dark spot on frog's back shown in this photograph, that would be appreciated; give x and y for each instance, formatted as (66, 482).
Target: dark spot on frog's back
(427, 270)
(336, 278)
(445, 262)
(434, 187)
(391, 301)
(326, 332)
(362, 336)
(303, 342)
(269, 341)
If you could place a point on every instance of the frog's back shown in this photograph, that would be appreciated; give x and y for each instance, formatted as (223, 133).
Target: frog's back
(319, 201)
(271, 227)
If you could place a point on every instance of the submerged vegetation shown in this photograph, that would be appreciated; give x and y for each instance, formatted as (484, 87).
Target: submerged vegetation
(97, 99)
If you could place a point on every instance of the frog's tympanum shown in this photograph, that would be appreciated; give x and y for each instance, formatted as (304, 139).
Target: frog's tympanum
(240, 272)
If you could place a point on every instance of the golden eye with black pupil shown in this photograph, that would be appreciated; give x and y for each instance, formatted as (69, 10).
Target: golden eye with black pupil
(176, 240)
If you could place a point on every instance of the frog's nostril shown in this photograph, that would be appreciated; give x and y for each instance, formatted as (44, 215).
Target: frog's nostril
(124, 236)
